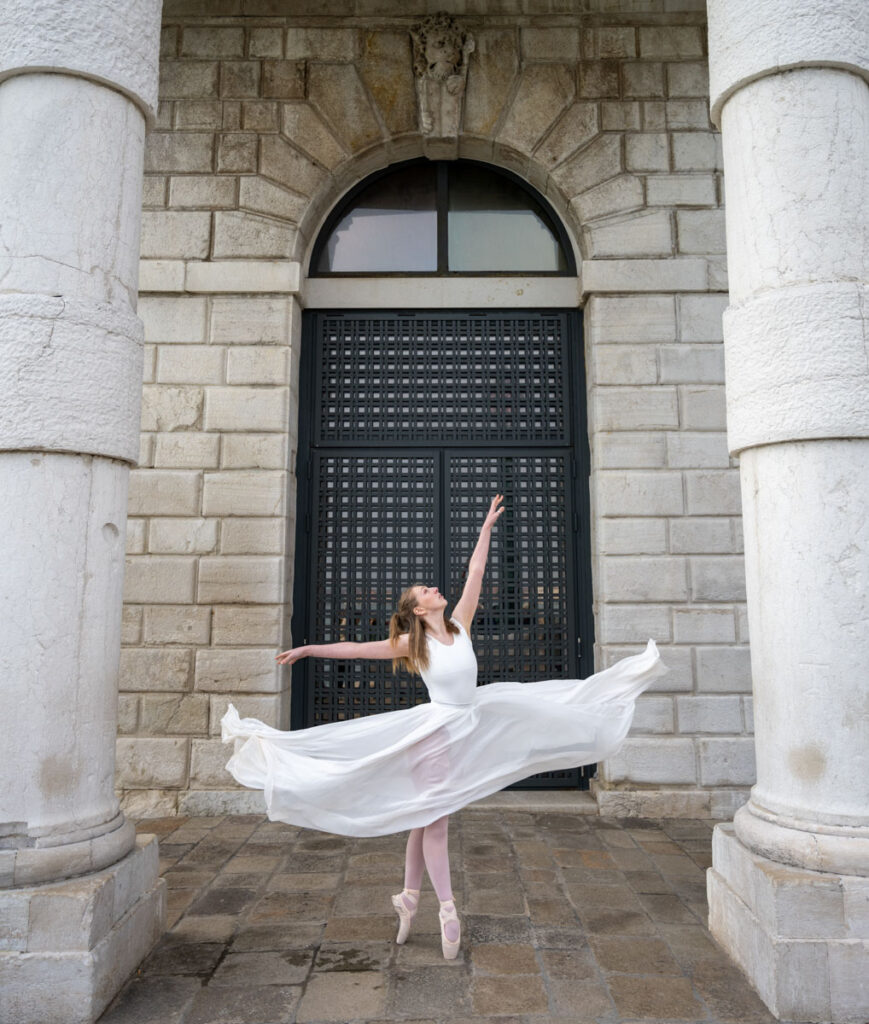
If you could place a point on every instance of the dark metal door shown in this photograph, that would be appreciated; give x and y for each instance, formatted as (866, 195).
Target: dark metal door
(409, 423)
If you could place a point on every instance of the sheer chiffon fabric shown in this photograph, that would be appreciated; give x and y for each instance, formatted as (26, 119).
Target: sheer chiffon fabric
(399, 770)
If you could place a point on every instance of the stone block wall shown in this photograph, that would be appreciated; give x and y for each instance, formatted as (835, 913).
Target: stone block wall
(264, 122)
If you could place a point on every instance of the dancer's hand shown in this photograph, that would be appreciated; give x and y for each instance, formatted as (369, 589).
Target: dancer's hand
(494, 511)
(294, 654)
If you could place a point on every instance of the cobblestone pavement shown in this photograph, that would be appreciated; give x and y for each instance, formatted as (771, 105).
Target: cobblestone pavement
(566, 919)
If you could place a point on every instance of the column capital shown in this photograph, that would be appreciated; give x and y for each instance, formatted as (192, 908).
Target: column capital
(114, 43)
(749, 39)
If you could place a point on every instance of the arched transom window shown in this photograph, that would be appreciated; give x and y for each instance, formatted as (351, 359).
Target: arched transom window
(445, 217)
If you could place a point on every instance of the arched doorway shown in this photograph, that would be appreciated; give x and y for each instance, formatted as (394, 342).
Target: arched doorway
(411, 419)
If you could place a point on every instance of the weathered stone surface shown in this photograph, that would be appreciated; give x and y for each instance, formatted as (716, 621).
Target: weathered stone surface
(263, 196)
(154, 669)
(212, 41)
(687, 78)
(254, 451)
(577, 126)
(238, 408)
(257, 366)
(336, 91)
(596, 162)
(178, 151)
(202, 191)
(643, 79)
(237, 152)
(614, 196)
(241, 234)
(642, 536)
(247, 671)
(661, 759)
(146, 763)
(182, 536)
(155, 580)
(647, 152)
(599, 78)
(175, 234)
(635, 408)
(189, 364)
(287, 166)
(608, 41)
(176, 624)
(181, 78)
(680, 190)
(639, 493)
(186, 450)
(174, 715)
(246, 625)
(703, 535)
(671, 41)
(229, 580)
(490, 79)
(202, 114)
(252, 536)
(644, 578)
(169, 319)
(629, 450)
(387, 70)
(620, 117)
(702, 408)
(164, 492)
(304, 129)
(700, 231)
(724, 669)
(244, 493)
(542, 94)
(626, 364)
(240, 79)
(258, 321)
(649, 232)
(266, 41)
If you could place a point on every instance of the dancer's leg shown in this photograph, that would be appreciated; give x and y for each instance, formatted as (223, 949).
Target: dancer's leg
(414, 864)
(437, 861)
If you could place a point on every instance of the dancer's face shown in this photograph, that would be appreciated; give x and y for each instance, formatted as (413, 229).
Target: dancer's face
(429, 599)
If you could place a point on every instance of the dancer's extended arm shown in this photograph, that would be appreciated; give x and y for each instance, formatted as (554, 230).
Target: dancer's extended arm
(378, 649)
(467, 605)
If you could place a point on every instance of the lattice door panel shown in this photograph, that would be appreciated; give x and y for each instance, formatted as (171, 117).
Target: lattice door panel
(443, 379)
(376, 531)
(523, 630)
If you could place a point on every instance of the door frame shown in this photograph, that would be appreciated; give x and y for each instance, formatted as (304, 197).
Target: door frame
(580, 489)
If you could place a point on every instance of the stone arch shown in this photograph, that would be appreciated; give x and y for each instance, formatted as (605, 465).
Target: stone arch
(356, 169)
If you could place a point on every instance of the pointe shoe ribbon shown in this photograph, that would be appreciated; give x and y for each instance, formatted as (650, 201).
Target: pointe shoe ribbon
(405, 913)
(446, 914)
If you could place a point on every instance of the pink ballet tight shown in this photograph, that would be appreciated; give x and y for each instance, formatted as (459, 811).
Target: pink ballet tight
(427, 848)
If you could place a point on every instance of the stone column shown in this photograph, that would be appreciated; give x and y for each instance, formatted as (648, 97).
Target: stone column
(789, 884)
(81, 901)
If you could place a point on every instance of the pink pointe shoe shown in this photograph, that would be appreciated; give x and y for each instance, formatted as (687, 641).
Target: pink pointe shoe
(447, 913)
(406, 913)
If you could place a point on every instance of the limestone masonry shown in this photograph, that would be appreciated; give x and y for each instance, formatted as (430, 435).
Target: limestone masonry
(263, 123)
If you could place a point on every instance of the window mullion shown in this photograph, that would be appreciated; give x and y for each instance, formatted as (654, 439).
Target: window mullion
(442, 209)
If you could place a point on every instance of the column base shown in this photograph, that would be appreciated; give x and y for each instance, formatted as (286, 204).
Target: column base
(801, 937)
(66, 948)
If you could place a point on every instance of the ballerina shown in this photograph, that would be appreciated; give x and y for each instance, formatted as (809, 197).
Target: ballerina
(410, 769)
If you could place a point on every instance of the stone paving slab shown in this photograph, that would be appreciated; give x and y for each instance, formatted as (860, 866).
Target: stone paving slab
(566, 918)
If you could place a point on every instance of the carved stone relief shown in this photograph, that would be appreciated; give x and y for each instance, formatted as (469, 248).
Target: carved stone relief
(441, 51)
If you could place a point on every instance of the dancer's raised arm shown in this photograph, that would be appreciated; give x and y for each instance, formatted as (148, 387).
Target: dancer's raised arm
(467, 605)
(378, 649)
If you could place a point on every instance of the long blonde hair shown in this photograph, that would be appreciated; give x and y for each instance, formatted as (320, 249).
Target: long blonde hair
(404, 621)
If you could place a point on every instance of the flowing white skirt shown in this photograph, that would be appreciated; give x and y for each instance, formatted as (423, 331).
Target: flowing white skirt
(402, 769)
